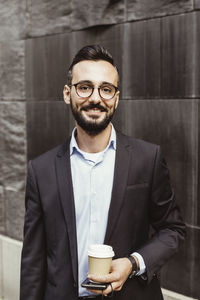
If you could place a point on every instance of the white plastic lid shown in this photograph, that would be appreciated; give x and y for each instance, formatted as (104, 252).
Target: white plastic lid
(100, 251)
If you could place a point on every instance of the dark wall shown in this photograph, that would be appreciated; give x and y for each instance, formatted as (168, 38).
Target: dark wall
(156, 45)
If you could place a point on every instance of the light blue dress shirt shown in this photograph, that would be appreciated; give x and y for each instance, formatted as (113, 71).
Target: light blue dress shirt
(92, 177)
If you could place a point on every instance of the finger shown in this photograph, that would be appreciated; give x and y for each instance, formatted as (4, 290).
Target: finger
(105, 292)
(111, 277)
(109, 289)
(114, 286)
(98, 292)
(99, 278)
(118, 288)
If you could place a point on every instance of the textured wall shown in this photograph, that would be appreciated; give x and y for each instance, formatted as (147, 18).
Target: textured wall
(156, 45)
(50, 17)
(12, 116)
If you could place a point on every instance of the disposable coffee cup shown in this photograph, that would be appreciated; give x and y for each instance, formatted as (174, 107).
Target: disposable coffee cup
(100, 259)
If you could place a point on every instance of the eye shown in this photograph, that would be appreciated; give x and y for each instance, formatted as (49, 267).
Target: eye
(84, 87)
(107, 89)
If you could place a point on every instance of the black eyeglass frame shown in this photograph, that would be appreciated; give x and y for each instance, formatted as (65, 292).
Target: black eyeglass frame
(115, 87)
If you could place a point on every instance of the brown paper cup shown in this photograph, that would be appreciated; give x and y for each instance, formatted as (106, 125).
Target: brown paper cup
(99, 266)
(100, 259)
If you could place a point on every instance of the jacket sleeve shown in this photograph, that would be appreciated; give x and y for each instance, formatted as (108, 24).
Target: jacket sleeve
(33, 260)
(165, 219)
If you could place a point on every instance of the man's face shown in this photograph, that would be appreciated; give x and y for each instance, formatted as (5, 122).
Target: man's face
(92, 114)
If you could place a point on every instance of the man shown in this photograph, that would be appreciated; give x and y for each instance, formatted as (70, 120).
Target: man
(98, 187)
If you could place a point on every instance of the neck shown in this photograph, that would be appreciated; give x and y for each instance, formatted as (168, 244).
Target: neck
(93, 144)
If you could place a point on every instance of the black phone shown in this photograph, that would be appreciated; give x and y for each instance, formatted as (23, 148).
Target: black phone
(89, 284)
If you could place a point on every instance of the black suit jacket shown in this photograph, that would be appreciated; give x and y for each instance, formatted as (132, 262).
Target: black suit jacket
(141, 197)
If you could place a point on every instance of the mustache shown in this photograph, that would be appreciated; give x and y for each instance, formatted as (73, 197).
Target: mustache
(92, 106)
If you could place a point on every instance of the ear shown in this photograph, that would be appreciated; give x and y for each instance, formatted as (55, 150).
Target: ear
(66, 94)
(117, 100)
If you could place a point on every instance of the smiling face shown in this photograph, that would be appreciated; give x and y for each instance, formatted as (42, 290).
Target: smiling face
(93, 114)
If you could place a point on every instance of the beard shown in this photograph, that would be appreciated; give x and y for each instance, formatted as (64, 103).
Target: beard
(92, 127)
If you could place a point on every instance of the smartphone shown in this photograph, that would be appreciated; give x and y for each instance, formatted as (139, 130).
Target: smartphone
(87, 283)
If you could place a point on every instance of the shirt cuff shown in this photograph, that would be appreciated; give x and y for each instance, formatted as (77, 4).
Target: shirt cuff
(141, 263)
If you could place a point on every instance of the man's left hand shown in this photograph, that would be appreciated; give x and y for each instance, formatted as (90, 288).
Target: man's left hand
(120, 270)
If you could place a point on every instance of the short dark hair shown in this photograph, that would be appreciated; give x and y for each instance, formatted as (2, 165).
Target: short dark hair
(91, 52)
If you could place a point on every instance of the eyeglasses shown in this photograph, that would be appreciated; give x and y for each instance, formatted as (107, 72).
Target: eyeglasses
(106, 91)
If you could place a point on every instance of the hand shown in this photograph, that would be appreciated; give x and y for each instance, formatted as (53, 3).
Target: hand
(120, 270)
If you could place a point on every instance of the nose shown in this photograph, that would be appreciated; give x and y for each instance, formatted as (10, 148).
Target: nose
(95, 97)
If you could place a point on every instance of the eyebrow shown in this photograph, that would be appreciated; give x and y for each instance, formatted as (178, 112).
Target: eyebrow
(90, 82)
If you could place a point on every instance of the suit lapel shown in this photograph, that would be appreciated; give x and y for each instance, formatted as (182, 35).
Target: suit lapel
(119, 183)
(63, 170)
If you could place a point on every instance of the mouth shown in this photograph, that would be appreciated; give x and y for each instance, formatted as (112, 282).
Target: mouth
(93, 113)
(94, 108)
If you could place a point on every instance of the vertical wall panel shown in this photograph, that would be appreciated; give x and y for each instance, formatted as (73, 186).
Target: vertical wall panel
(14, 212)
(173, 125)
(196, 56)
(13, 167)
(141, 59)
(198, 165)
(2, 215)
(12, 70)
(181, 273)
(47, 126)
(47, 59)
(179, 56)
(13, 144)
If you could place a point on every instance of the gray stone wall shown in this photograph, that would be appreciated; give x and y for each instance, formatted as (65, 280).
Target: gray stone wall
(156, 45)
(12, 117)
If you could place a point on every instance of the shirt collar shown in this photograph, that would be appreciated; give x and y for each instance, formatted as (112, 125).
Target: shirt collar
(74, 145)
